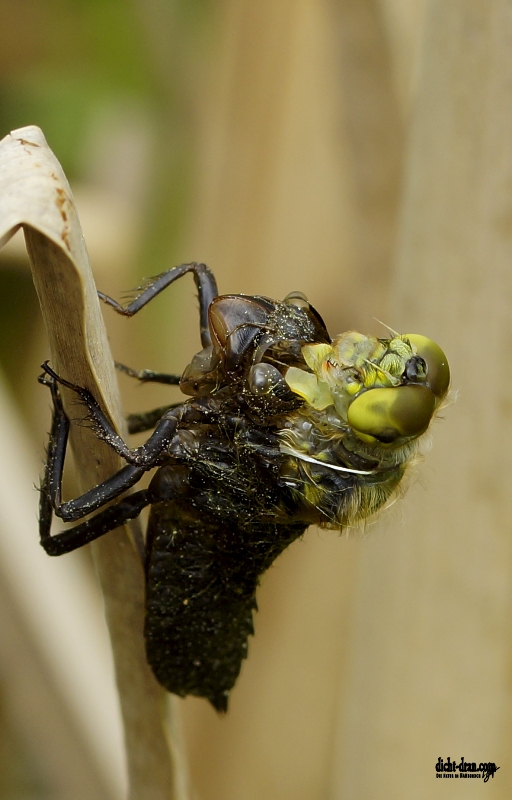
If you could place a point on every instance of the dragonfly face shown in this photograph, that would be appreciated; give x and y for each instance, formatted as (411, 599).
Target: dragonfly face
(281, 428)
(386, 390)
(366, 403)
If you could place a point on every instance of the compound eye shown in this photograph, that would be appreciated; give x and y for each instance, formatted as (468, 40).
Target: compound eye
(415, 370)
(438, 371)
(387, 414)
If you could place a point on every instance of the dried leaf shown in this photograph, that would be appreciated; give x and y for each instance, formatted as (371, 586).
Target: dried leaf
(35, 195)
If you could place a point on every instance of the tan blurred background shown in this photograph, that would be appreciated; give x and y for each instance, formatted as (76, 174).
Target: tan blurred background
(360, 151)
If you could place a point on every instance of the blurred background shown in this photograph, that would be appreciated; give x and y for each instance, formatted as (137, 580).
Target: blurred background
(356, 150)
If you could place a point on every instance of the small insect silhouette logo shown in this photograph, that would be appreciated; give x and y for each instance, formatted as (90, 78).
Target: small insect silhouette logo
(465, 769)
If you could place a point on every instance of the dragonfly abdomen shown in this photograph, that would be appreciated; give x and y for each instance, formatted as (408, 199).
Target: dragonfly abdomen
(201, 583)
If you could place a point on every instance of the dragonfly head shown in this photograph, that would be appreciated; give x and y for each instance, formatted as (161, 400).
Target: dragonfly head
(385, 390)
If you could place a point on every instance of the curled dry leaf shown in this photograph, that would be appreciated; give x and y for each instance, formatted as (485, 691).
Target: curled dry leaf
(35, 195)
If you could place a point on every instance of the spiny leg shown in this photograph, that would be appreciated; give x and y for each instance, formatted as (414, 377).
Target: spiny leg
(146, 420)
(98, 496)
(51, 486)
(206, 289)
(106, 520)
(149, 375)
(112, 517)
(57, 445)
(148, 454)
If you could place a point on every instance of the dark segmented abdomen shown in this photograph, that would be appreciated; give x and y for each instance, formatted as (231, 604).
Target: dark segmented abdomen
(200, 597)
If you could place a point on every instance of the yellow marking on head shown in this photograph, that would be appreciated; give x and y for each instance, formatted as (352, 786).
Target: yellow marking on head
(308, 386)
(316, 354)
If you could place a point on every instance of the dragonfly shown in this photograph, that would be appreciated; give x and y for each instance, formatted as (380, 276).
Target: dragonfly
(281, 427)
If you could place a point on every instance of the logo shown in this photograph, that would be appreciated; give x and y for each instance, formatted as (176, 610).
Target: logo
(465, 769)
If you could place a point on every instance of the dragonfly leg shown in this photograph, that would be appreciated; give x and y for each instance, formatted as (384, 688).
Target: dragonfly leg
(206, 289)
(145, 456)
(105, 521)
(149, 375)
(51, 486)
(146, 420)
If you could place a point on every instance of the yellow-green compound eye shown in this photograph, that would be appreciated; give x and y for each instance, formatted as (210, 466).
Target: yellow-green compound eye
(385, 415)
(438, 371)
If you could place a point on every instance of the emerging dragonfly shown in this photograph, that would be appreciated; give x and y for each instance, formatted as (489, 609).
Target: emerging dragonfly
(283, 429)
